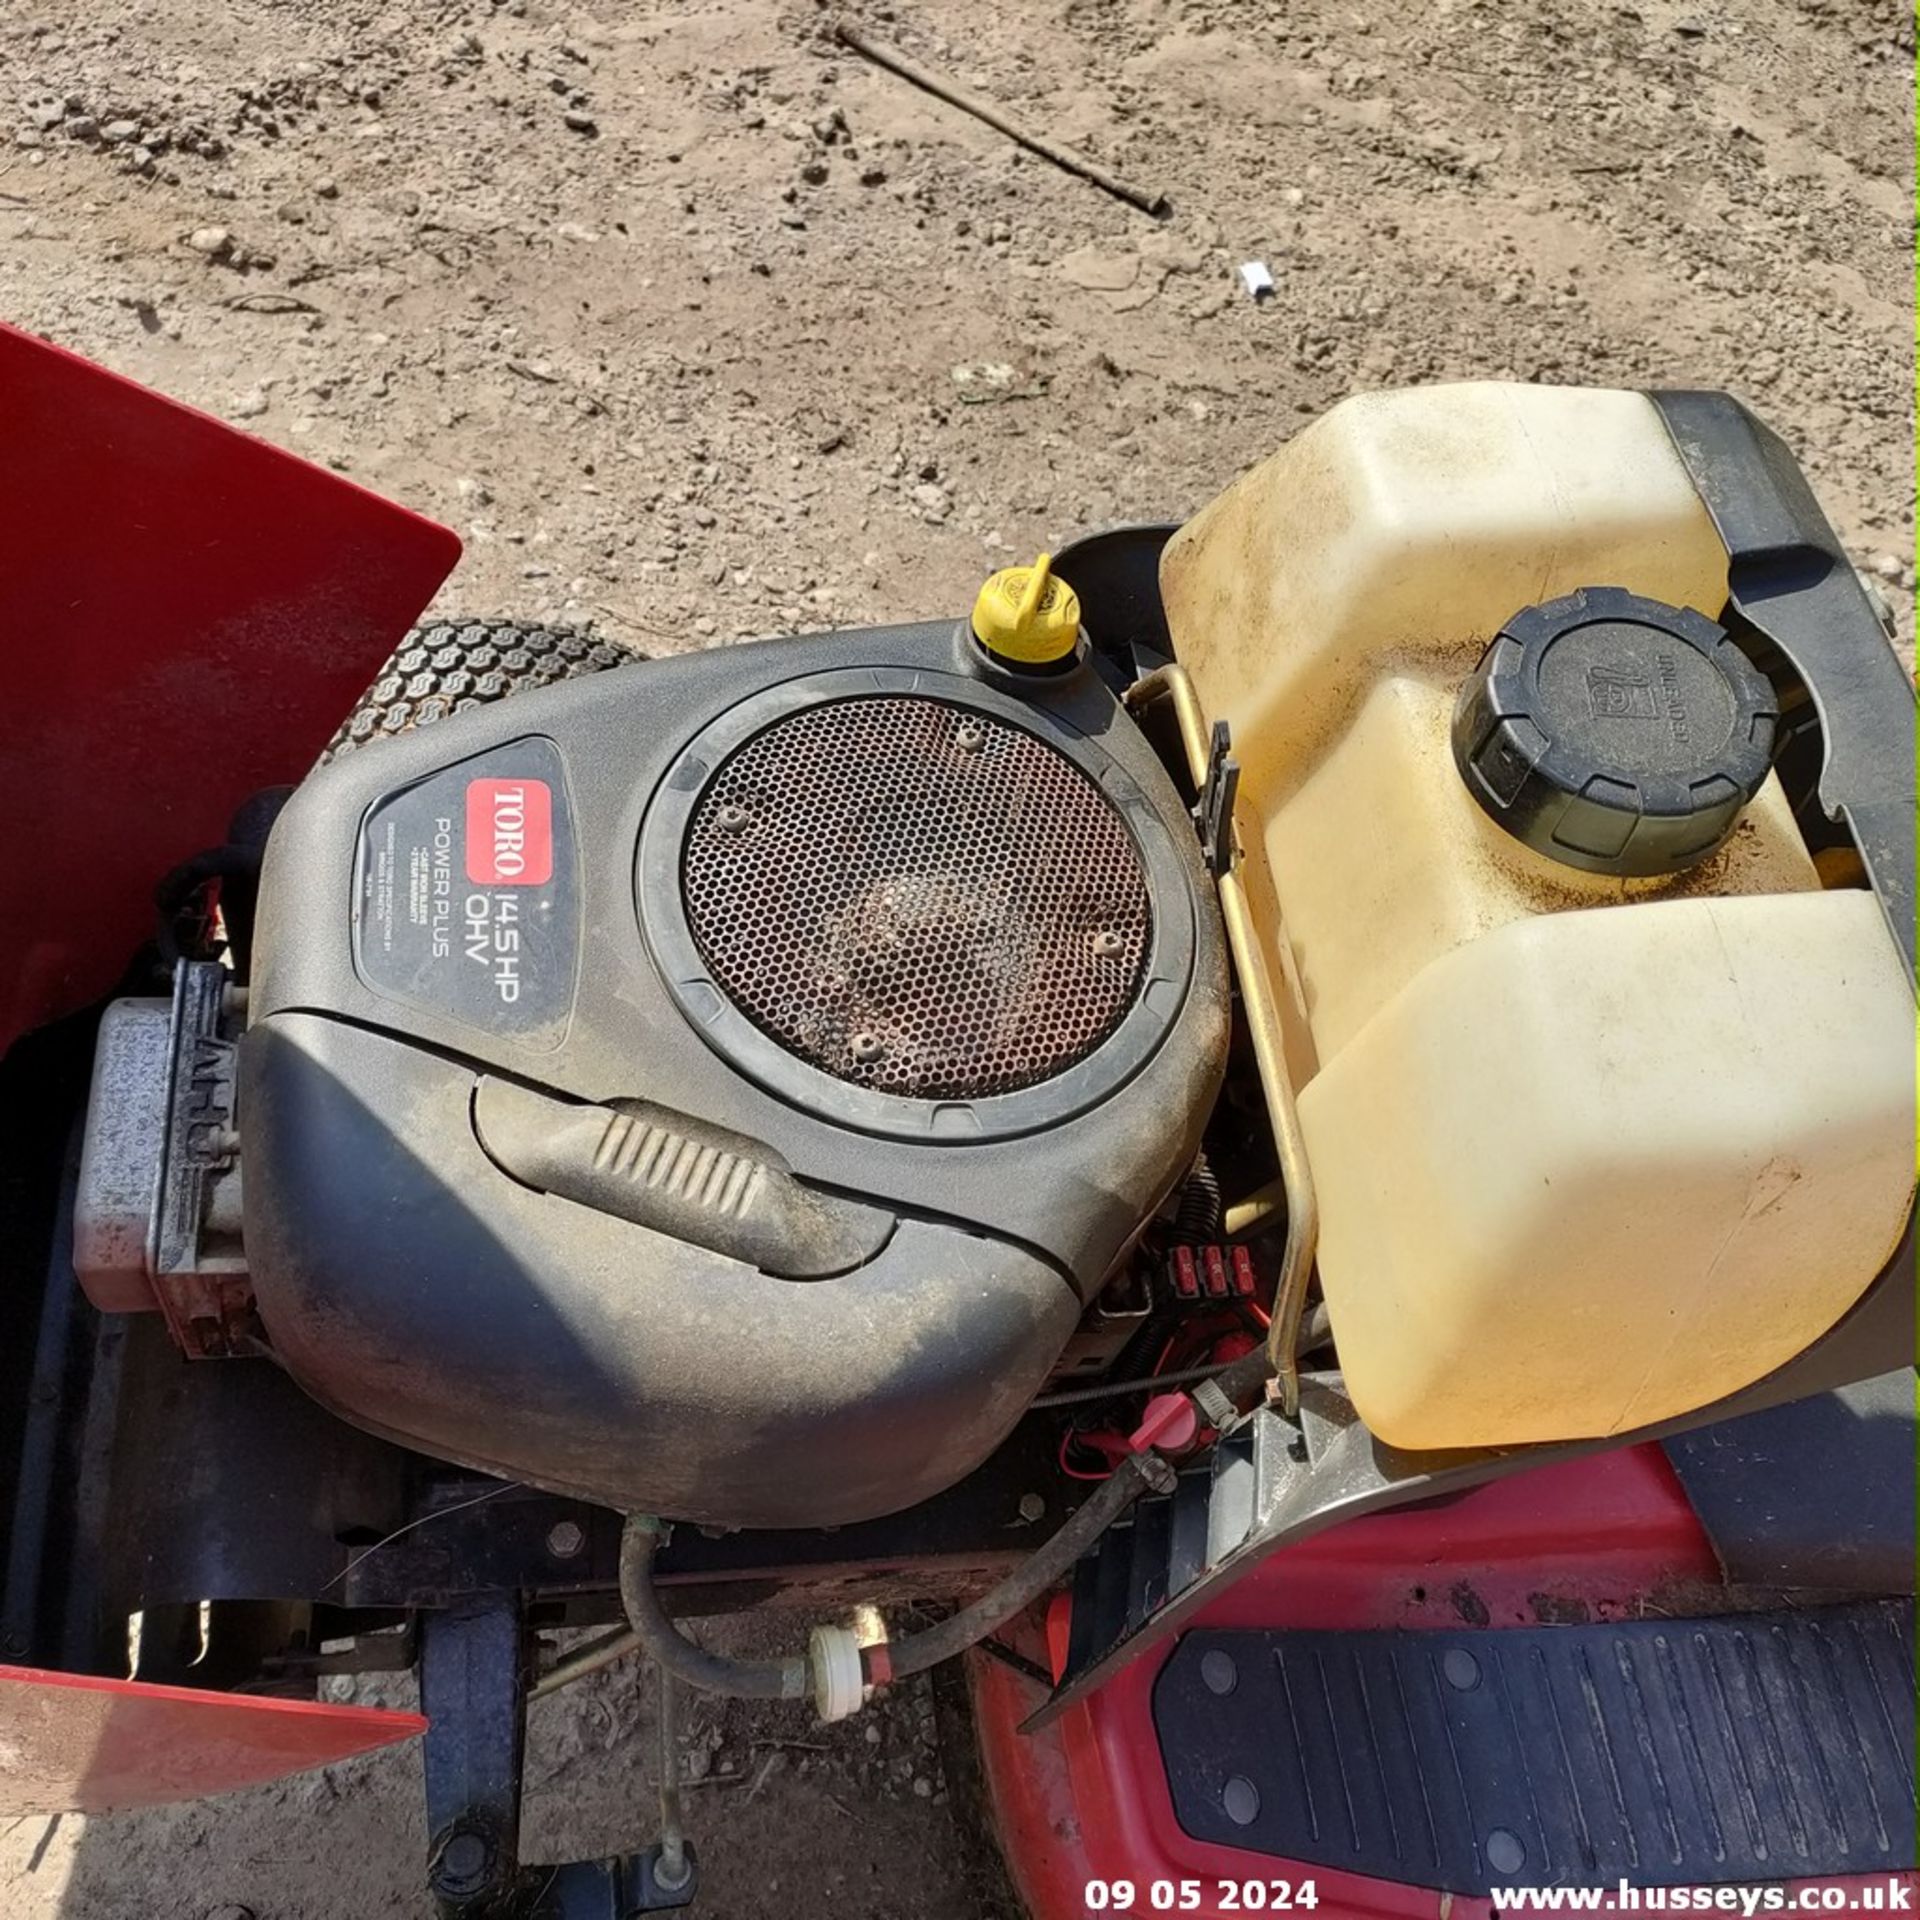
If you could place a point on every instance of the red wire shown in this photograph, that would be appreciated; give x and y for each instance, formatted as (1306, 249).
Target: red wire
(1075, 1473)
(1206, 1335)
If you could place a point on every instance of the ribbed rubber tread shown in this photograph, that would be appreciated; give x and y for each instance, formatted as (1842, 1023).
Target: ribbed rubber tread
(1662, 1752)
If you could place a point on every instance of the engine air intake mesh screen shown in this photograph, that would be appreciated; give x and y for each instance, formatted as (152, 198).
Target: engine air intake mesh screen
(917, 898)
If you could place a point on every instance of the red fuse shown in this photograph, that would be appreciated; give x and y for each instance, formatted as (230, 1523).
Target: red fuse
(1214, 1261)
(1243, 1273)
(1186, 1276)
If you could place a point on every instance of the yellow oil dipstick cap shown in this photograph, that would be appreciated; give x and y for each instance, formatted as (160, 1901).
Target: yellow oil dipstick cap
(1027, 617)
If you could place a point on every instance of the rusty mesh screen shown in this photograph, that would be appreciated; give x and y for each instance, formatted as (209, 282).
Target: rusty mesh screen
(917, 898)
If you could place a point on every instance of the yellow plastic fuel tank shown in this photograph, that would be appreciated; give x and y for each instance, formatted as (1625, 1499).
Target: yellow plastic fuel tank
(1604, 1124)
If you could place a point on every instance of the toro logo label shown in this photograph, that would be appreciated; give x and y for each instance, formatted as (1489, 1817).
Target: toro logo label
(509, 833)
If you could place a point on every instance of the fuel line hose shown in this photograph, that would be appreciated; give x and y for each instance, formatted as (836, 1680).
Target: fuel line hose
(834, 1670)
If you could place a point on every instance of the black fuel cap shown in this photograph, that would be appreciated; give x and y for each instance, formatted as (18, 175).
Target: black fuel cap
(1613, 733)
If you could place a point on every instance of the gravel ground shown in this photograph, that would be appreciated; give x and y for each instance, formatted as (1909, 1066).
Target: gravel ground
(697, 326)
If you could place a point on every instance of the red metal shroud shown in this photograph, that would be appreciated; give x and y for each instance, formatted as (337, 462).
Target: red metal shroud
(1086, 1799)
(76, 1744)
(185, 615)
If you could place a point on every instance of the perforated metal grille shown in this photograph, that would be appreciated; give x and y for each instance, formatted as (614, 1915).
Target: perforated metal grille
(917, 898)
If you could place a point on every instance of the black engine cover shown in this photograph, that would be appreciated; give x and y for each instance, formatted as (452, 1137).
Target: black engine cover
(715, 1086)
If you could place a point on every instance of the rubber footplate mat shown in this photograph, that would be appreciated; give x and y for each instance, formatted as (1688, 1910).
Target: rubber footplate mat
(1779, 1515)
(1664, 1752)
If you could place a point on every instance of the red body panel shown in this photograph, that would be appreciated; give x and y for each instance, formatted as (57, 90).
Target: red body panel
(1606, 1536)
(75, 1744)
(185, 615)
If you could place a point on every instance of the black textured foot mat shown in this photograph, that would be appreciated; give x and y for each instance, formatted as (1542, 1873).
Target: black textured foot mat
(1663, 1752)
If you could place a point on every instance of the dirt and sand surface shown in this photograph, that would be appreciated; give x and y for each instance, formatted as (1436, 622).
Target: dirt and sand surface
(696, 326)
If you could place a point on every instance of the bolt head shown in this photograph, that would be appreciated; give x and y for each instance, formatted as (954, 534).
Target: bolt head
(671, 1876)
(463, 1863)
(1506, 1852)
(565, 1538)
(1217, 1669)
(865, 1046)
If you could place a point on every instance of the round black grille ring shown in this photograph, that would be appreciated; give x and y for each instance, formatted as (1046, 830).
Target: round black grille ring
(917, 897)
(910, 903)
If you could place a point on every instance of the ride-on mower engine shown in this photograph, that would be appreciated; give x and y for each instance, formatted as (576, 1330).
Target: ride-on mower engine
(1404, 979)
(722, 1091)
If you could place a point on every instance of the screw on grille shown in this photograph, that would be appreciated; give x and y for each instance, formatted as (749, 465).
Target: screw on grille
(911, 918)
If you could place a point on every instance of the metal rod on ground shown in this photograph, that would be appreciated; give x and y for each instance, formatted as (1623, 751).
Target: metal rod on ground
(671, 1868)
(1147, 199)
(596, 1654)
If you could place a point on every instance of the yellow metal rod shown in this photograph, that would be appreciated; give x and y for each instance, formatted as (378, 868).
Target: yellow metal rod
(1263, 1027)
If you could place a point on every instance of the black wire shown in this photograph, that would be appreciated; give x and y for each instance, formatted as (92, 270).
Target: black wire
(1197, 1217)
(1009, 1657)
(1114, 1389)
